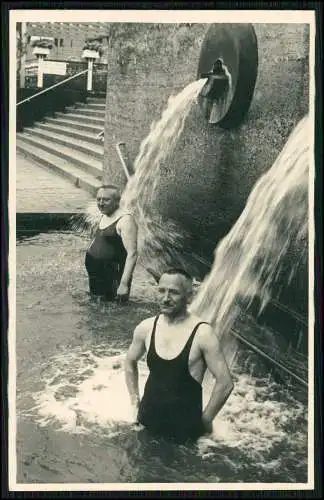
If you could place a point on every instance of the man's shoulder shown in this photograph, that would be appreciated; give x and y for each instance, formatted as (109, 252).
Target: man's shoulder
(205, 333)
(145, 326)
(126, 222)
(203, 325)
(126, 218)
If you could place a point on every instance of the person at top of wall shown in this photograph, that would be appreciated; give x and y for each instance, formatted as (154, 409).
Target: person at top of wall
(217, 81)
(111, 257)
(213, 95)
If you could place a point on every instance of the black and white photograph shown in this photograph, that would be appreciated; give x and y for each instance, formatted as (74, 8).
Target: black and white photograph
(161, 253)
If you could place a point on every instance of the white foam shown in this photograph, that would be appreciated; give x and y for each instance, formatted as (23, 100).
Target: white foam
(252, 421)
(100, 399)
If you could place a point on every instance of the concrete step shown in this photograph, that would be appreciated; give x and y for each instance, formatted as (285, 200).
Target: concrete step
(93, 105)
(85, 162)
(100, 122)
(96, 100)
(60, 166)
(58, 137)
(74, 124)
(78, 104)
(88, 112)
(69, 132)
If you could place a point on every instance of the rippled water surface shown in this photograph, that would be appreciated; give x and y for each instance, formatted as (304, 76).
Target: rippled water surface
(73, 413)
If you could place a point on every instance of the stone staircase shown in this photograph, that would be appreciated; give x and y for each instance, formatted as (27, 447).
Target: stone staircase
(67, 143)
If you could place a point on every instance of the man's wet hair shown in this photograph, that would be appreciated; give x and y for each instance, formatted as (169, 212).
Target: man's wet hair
(178, 270)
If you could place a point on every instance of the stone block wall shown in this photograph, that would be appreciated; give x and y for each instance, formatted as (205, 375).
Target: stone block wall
(208, 178)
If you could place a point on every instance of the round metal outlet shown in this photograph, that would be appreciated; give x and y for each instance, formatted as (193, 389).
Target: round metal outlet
(229, 61)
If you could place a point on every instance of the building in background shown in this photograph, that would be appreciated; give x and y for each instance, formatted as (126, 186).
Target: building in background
(68, 39)
(65, 55)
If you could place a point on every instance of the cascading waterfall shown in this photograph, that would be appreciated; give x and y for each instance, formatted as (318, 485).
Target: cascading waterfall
(158, 145)
(251, 258)
(141, 188)
(83, 390)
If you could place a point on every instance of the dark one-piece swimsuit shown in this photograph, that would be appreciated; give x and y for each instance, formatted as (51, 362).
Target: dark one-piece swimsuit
(172, 402)
(105, 261)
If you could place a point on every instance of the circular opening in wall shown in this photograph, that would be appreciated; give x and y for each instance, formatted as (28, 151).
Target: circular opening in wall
(229, 62)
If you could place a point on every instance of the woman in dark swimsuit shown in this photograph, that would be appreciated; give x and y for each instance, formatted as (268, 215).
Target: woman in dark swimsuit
(111, 257)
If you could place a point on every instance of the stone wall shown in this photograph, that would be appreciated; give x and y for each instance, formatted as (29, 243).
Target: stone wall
(137, 96)
(210, 174)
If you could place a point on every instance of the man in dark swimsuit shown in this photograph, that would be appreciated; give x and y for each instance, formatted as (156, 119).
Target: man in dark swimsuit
(111, 257)
(180, 347)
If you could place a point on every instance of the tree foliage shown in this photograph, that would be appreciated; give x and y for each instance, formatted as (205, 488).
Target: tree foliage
(94, 44)
(21, 47)
(44, 43)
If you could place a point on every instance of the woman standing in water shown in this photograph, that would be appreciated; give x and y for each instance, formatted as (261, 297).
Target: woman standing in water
(111, 257)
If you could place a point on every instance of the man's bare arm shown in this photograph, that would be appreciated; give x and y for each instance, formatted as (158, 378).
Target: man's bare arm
(134, 354)
(128, 233)
(217, 365)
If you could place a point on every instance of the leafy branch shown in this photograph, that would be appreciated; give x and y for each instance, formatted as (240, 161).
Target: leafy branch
(42, 43)
(21, 45)
(94, 44)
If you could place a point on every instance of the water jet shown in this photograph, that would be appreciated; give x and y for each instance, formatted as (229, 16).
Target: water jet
(197, 167)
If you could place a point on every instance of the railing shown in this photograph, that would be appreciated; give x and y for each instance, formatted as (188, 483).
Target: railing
(31, 69)
(123, 156)
(52, 87)
(279, 364)
(274, 345)
(99, 78)
(48, 101)
(101, 135)
(31, 81)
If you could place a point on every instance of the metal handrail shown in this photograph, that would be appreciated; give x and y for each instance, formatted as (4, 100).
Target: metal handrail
(266, 356)
(127, 174)
(101, 134)
(292, 313)
(52, 87)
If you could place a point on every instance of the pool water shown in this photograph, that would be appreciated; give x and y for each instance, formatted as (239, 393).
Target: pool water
(73, 415)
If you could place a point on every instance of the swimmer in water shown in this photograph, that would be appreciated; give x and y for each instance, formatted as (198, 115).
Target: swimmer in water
(111, 257)
(180, 347)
